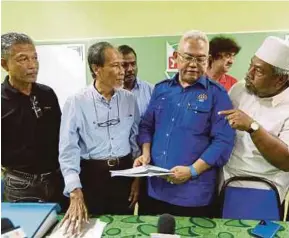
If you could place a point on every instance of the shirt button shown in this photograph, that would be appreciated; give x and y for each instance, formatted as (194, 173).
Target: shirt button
(164, 152)
(111, 138)
(179, 104)
(167, 134)
(110, 108)
(173, 119)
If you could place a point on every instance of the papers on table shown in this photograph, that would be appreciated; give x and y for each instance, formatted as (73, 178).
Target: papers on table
(92, 230)
(141, 171)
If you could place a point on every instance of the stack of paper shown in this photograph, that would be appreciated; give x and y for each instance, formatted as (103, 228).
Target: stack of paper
(141, 171)
(93, 229)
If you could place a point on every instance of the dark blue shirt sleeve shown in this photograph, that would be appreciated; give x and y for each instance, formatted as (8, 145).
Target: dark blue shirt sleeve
(223, 136)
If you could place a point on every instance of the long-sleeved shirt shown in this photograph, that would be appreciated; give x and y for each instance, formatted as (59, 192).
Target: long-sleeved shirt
(183, 125)
(29, 141)
(143, 92)
(84, 133)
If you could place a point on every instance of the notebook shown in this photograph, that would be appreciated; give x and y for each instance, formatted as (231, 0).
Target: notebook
(34, 218)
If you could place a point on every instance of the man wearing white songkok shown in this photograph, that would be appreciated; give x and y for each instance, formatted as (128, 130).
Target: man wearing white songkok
(261, 118)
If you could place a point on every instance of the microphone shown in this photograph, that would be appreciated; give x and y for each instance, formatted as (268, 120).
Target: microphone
(166, 224)
(10, 230)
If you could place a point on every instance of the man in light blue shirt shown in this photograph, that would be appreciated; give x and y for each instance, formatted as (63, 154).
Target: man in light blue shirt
(98, 134)
(141, 89)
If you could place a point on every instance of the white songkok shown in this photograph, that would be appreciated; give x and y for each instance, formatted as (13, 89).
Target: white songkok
(274, 51)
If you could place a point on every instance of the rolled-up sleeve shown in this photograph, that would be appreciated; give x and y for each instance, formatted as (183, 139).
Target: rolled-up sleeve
(147, 124)
(69, 150)
(223, 136)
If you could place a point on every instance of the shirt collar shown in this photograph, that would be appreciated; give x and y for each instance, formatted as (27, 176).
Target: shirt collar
(202, 80)
(98, 96)
(11, 91)
(222, 79)
(279, 98)
(137, 84)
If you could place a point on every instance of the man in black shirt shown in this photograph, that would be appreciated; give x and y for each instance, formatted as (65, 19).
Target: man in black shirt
(30, 126)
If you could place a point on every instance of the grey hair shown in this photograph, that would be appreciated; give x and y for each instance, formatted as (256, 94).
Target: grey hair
(196, 35)
(96, 55)
(13, 38)
(280, 72)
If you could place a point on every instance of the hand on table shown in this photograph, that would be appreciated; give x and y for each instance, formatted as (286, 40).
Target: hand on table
(75, 215)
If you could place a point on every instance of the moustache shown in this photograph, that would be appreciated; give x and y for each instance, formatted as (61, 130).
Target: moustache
(248, 79)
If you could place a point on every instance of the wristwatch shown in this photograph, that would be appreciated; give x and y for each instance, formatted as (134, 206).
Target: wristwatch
(253, 127)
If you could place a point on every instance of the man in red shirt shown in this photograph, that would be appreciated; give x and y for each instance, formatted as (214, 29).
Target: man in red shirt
(222, 55)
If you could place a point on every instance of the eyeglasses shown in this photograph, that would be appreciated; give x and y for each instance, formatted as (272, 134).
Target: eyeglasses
(192, 59)
(110, 122)
(37, 110)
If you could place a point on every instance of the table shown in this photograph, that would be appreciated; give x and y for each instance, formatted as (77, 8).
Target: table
(142, 226)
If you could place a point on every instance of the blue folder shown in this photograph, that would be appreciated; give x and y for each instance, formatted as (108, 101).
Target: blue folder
(29, 216)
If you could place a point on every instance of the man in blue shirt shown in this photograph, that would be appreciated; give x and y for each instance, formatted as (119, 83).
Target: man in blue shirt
(98, 134)
(141, 89)
(182, 131)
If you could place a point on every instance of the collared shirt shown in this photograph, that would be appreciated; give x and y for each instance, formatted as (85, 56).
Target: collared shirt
(273, 115)
(143, 92)
(29, 144)
(227, 81)
(83, 134)
(183, 125)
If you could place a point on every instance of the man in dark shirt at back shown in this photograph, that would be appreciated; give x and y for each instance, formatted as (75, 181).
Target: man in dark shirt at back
(30, 126)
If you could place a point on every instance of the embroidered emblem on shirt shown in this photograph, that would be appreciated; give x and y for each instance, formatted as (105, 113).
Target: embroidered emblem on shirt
(202, 97)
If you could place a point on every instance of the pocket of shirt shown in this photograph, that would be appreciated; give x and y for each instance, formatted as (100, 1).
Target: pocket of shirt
(127, 122)
(195, 118)
(159, 108)
(17, 184)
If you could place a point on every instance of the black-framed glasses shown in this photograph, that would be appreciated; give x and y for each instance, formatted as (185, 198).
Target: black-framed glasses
(193, 59)
(35, 107)
(110, 122)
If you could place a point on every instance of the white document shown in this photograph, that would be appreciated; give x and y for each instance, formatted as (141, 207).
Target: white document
(92, 230)
(141, 171)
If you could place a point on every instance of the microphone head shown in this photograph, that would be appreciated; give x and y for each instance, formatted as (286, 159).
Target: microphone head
(166, 224)
(6, 225)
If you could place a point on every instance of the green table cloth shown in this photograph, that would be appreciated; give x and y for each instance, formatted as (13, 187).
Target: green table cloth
(142, 226)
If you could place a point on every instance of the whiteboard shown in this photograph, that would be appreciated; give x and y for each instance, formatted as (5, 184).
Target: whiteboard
(62, 67)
